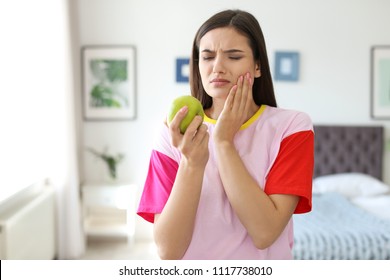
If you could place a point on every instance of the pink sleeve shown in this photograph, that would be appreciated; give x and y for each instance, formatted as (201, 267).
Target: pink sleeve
(159, 181)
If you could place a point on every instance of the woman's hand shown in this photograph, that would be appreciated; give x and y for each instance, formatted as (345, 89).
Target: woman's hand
(193, 144)
(236, 110)
(174, 226)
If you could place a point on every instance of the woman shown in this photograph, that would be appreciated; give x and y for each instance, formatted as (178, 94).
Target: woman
(228, 187)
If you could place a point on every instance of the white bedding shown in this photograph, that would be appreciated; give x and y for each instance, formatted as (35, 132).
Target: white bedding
(362, 190)
(377, 205)
(350, 219)
(336, 229)
(350, 185)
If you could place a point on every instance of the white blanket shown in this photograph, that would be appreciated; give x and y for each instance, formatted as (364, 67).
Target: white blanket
(378, 205)
(337, 229)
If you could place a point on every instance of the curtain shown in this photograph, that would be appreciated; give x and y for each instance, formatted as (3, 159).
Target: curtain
(71, 241)
(39, 118)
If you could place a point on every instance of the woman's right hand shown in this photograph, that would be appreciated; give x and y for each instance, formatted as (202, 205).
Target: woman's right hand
(193, 144)
(174, 226)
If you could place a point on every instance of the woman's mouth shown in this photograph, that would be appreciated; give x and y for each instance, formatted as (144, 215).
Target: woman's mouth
(219, 82)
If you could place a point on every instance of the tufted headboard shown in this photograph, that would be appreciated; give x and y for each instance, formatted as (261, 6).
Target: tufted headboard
(341, 149)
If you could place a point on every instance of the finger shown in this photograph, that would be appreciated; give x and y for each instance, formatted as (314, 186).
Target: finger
(192, 128)
(230, 99)
(250, 100)
(201, 134)
(174, 125)
(250, 78)
(238, 94)
(246, 92)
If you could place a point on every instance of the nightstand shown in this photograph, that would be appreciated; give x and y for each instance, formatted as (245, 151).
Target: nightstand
(109, 210)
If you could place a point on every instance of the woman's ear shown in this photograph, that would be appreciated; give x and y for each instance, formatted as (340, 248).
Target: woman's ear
(257, 70)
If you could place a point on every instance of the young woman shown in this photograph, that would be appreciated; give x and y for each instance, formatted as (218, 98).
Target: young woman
(228, 187)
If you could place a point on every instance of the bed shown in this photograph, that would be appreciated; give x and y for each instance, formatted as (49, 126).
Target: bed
(350, 218)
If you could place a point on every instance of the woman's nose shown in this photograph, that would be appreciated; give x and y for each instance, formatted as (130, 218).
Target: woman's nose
(218, 66)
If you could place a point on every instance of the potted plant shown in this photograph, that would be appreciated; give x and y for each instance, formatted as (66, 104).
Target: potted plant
(111, 161)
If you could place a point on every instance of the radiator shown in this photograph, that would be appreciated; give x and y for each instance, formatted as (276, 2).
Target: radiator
(27, 228)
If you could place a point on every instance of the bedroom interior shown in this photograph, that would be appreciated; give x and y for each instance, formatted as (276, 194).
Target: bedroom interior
(335, 86)
(350, 217)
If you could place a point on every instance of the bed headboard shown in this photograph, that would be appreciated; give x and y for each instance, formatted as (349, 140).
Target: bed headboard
(341, 149)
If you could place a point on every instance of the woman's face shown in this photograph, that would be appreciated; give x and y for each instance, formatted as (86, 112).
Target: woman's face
(224, 55)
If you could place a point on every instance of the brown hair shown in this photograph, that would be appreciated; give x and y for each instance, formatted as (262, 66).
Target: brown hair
(247, 25)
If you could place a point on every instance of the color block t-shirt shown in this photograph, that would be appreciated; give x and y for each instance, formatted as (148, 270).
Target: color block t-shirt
(276, 146)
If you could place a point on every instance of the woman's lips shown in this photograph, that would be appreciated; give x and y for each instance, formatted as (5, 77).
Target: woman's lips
(219, 82)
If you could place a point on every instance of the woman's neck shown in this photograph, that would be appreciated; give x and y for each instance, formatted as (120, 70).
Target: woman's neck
(216, 109)
(213, 112)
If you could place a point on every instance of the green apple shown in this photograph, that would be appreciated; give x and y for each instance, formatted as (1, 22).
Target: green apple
(194, 108)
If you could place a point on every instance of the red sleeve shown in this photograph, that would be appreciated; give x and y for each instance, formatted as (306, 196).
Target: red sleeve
(292, 171)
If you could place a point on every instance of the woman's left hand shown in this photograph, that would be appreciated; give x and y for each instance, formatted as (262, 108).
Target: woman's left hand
(236, 110)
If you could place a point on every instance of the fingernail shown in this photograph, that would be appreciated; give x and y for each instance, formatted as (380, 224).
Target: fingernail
(184, 109)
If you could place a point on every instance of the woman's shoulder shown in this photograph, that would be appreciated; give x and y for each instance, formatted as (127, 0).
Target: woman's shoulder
(287, 119)
(278, 111)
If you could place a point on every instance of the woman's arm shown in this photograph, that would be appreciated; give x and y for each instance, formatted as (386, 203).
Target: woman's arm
(174, 226)
(263, 216)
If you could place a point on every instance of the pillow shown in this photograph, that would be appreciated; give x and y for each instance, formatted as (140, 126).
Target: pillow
(350, 185)
(378, 205)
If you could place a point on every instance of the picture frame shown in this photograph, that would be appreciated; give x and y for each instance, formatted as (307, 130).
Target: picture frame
(380, 82)
(109, 82)
(286, 66)
(182, 70)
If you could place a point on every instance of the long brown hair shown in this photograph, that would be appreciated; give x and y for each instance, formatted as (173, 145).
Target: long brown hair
(247, 25)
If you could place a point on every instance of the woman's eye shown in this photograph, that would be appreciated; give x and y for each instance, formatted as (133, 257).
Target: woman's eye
(235, 57)
(208, 57)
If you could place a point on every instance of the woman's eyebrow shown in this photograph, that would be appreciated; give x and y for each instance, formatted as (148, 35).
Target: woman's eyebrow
(207, 51)
(233, 51)
(227, 51)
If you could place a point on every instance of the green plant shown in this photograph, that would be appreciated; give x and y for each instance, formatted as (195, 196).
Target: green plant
(110, 75)
(110, 160)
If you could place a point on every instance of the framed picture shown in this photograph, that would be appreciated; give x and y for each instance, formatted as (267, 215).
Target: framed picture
(380, 82)
(182, 70)
(286, 66)
(109, 82)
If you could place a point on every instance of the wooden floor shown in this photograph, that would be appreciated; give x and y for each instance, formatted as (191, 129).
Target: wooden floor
(101, 249)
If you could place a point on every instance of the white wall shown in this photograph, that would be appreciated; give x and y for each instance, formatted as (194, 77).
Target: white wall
(333, 37)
